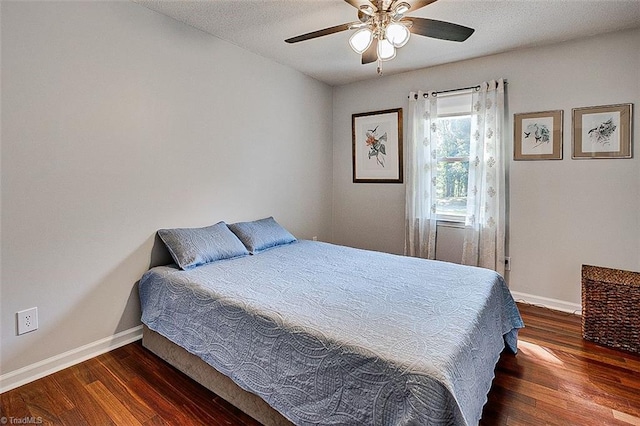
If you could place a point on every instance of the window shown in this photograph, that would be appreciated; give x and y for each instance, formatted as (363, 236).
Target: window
(456, 171)
(454, 133)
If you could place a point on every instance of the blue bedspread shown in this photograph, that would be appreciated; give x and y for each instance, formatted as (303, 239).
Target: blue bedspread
(339, 336)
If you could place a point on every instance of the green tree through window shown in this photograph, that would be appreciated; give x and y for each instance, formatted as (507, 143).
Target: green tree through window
(453, 166)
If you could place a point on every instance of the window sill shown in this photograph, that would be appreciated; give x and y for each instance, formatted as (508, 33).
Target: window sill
(450, 221)
(448, 217)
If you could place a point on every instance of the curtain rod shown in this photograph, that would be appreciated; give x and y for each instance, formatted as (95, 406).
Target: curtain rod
(476, 88)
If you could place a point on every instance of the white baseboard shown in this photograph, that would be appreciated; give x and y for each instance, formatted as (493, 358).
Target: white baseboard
(32, 372)
(558, 305)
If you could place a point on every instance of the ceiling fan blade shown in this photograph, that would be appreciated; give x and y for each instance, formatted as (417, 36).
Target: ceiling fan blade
(371, 54)
(439, 29)
(321, 33)
(417, 4)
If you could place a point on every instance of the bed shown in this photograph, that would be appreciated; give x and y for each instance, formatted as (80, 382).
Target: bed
(313, 333)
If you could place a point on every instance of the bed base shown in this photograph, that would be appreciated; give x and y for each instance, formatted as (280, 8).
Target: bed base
(212, 379)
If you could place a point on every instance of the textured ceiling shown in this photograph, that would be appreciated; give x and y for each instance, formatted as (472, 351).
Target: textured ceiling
(261, 26)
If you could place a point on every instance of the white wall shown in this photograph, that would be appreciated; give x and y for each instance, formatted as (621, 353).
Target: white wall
(118, 121)
(562, 213)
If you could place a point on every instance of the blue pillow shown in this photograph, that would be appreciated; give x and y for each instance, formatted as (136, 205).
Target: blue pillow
(261, 234)
(191, 247)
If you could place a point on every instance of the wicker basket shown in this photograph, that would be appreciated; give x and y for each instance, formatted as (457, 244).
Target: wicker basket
(611, 307)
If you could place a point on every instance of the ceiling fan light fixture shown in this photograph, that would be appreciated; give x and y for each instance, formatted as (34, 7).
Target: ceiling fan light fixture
(383, 22)
(361, 40)
(386, 51)
(397, 34)
(401, 8)
(367, 9)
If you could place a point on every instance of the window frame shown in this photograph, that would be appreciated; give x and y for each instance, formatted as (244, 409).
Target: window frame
(454, 218)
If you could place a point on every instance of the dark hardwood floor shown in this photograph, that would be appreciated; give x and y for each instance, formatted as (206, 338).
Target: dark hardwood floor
(556, 379)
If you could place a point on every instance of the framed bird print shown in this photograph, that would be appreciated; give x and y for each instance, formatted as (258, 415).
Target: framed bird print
(377, 146)
(602, 131)
(538, 135)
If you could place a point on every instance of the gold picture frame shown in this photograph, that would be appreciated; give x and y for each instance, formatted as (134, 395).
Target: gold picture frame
(538, 135)
(602, 131)
(377, 146)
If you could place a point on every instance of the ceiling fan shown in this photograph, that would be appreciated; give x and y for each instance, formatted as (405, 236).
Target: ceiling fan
(382, 27)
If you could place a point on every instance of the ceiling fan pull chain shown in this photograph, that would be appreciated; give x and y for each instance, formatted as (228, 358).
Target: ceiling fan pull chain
(379, 68)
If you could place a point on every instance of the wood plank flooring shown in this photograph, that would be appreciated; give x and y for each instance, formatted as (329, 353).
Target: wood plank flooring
(556, 379)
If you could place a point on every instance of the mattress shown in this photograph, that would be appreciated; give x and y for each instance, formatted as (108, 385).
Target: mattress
(333, 335)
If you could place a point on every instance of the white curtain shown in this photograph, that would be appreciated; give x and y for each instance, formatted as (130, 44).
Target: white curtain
(420, 208)
(485, 219)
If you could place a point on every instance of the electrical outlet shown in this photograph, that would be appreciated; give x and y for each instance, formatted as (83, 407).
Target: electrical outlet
(315, 238)
(507, 263)
(27, 320)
